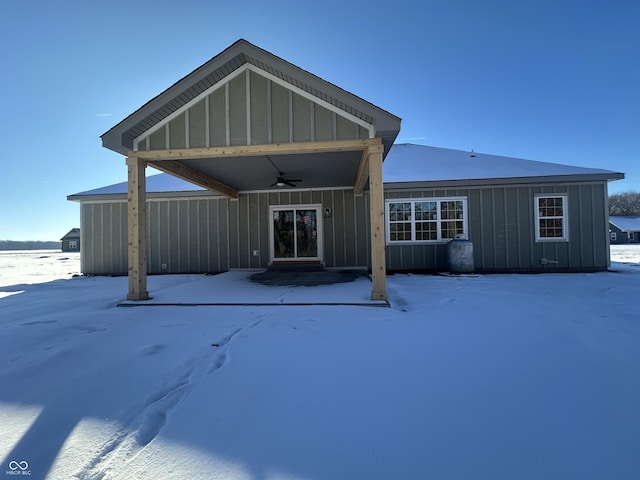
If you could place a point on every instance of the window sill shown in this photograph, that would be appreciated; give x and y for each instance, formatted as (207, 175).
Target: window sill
(428, 242)
(552, 240)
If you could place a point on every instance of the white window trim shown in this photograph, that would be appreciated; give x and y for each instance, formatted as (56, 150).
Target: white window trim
(614, 237)
(320, 224)
(565, 217)
(465, 220)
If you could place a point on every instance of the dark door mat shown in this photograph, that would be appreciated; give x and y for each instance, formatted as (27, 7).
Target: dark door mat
(306, 279)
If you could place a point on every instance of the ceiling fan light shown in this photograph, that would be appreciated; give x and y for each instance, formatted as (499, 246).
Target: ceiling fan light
(280, 184)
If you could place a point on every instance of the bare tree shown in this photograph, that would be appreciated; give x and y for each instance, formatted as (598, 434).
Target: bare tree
(624, 203)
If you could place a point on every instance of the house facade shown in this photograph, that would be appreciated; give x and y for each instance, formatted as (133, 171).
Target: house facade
(71, 241)
(193, 230)
(520, 215)
(284, 167)
(624, 230)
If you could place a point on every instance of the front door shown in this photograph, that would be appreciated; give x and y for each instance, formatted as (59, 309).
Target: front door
(296, 234)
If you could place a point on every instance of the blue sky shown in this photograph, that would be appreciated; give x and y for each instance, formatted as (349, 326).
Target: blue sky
(555, 81)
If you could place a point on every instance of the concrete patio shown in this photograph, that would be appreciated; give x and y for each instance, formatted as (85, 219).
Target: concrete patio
(290, 288)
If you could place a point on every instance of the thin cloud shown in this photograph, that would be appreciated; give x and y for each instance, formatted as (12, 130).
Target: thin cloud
(103, 115)
(404, 139)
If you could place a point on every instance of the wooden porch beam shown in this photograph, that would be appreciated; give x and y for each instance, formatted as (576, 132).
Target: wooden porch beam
(190, 175)
(258, 150)
(137, 229)
(376, 210)
(363, 168)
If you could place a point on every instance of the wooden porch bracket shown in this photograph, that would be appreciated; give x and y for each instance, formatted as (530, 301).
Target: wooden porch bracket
(137, 229)
(376, 210)
(190, 175)
(363, 168)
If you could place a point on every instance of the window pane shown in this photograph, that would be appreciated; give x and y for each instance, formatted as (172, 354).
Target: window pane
(426, 231)
(399, 231)
(400, 211)
(400, 221)
(451, 228)
(551, 228)
(426, 210)
(550, 206)
(307, 233)
(283, 228)
(452, 210)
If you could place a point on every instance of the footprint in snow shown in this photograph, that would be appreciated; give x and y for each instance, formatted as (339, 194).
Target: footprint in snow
(39, 322)
(218, 363)
(153, 349)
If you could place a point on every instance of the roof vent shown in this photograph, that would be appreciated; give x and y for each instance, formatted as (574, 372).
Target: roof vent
(473, 154)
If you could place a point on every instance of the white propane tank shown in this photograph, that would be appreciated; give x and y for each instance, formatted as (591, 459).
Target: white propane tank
(460, 255)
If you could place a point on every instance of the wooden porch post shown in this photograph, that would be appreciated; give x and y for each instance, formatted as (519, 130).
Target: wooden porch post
(137, 228)
(376, 210)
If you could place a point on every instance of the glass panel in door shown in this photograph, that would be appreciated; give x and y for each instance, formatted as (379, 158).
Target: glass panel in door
(306, 234)
(283, 234)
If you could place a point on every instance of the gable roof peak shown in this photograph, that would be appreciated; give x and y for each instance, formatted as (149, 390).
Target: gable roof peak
(120, 138)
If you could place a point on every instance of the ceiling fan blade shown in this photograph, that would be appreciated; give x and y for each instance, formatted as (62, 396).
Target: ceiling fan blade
(282, 180)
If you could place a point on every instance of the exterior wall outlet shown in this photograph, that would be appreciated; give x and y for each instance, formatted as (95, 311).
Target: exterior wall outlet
(164, 266)
(256, 253)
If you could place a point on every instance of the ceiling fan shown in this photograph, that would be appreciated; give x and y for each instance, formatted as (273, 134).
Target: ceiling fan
(281, 179)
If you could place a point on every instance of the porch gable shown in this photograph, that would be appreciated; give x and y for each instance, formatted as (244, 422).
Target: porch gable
(253, 97)
(250, 107)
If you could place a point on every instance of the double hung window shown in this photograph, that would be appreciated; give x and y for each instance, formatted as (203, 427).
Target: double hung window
(551, 218)
(425, 220)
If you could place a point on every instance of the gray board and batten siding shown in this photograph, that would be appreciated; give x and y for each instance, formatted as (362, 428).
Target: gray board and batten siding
(501, 223)
(199, 232)
(204, 232)
(249, 109)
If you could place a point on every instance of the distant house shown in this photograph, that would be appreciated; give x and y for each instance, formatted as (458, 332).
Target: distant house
(282, 166)
(71, 241)
(624, 230)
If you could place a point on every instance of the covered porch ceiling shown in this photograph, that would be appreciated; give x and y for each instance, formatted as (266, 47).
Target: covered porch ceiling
(260, 172)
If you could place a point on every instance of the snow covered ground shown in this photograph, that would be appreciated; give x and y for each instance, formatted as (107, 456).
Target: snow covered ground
(490, 376)
(36, 266)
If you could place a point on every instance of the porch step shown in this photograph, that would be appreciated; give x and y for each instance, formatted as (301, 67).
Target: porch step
(296, 267)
